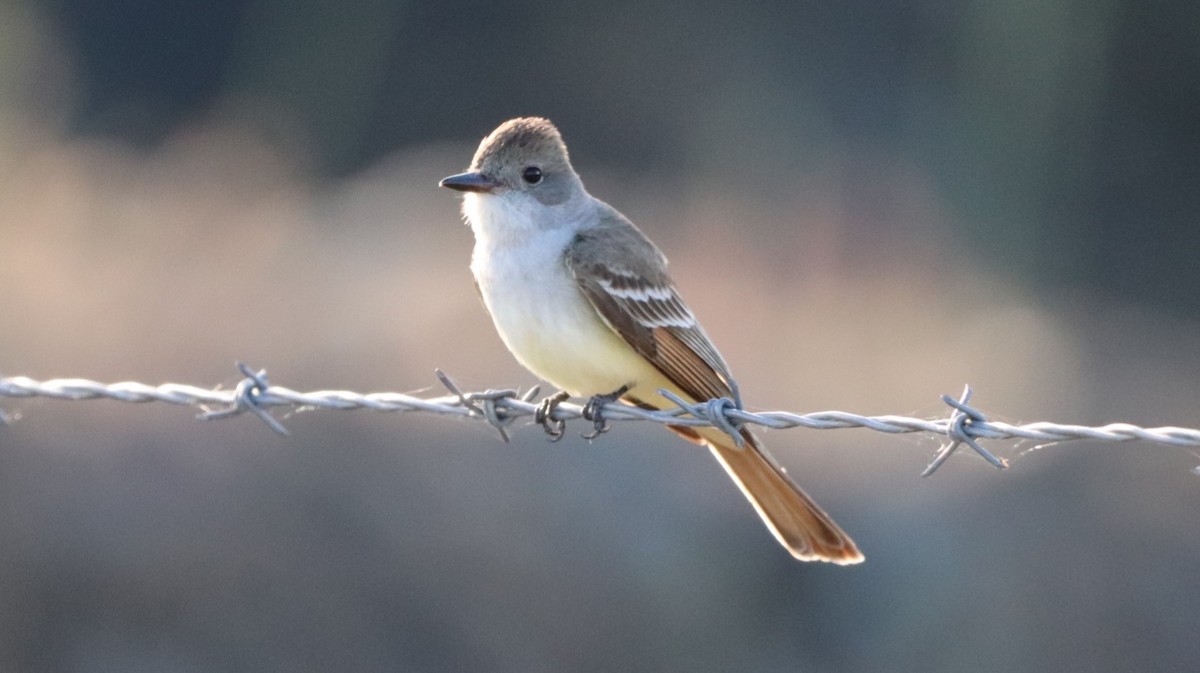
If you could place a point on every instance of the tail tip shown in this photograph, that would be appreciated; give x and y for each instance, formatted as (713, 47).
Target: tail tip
(846, 556)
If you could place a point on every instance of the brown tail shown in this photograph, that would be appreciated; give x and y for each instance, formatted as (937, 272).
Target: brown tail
(791, 516)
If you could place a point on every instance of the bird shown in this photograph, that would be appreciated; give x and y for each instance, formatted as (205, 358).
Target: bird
(583, 300)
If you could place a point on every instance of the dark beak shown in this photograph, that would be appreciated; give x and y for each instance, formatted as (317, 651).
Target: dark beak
(471, 181)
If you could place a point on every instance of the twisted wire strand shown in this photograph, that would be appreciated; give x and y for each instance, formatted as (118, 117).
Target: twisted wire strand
(501, 407)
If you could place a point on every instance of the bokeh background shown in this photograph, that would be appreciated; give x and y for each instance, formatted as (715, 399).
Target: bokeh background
(868, 204)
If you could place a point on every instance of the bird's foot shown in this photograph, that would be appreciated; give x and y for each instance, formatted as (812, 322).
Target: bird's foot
(544, 415)
(594, 411)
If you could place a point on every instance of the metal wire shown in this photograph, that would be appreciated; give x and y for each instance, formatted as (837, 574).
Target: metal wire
(501, 407)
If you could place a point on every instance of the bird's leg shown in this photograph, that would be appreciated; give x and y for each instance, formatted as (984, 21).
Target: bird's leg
(594, 411)
(544, 415)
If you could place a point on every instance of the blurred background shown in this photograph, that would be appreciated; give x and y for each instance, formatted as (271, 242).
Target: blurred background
(868, 205)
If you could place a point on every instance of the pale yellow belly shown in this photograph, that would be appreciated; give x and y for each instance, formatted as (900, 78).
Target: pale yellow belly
(575, 350)
(553, 330)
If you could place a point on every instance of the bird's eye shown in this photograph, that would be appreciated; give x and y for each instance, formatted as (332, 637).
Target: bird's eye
(532, 175)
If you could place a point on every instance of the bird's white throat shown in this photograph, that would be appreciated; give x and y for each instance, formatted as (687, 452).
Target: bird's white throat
(535, 302)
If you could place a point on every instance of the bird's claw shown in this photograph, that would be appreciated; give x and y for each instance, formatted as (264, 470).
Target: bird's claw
(594, 412)
(544, 415)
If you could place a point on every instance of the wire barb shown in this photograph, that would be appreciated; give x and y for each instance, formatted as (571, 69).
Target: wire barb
(714, 412)
(500, 409)
(959, 429)
(246, 398)
(484, 404)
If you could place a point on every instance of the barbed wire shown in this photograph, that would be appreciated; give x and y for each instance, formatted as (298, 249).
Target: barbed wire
(501, 407)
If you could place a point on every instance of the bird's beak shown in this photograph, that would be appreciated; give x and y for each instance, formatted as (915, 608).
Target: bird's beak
(471, 181)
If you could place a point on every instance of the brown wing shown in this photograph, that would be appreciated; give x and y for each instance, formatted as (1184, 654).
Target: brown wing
(624, 277)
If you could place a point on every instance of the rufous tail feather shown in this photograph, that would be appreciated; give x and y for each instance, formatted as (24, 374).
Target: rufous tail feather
(799, 524)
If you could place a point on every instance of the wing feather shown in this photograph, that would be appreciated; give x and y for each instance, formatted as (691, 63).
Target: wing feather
(633, 294)
(624, 277)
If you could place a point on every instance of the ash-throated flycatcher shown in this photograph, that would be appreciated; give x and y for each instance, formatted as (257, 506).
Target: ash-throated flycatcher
(583, 300)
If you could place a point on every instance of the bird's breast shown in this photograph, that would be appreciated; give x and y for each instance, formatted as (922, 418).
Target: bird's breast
(547, 323)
